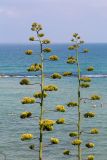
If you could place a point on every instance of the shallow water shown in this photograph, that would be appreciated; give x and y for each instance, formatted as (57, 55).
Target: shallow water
(13, 62)
(12, 126)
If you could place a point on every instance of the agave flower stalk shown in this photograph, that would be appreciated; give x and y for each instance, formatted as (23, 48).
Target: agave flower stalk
(42, 98)
(37, 27)
(75, 60)
(44, 124)
(79, 101)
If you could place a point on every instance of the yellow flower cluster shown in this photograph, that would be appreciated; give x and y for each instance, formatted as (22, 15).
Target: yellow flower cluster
(66, 152)
(47, 50)
(95, 97)
(90, 145)
(75, 35)
(47, 124)
(24, 81)
(91, 68)
(94, 131)
(46, 41)
(26, 136)
(28, 52)
(53, 58)
(41, 34)
(50, 88)
(39, 95)
(71, 47)
(85, 50)
(85, 79)
(31, 38)
(85, 85)
(89, 115)
(56, 76)
(34, 67)
(71, 60)
(28, 100)
(90, 157)
(73, 134)
(60, 121)
(36, 27)
(76, 142)
(25, 115)
(67, 74)
(60, 108)
(54, 140)
(72, 104)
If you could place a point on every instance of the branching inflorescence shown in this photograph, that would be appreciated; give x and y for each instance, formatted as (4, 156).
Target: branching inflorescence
(44, 124)
(83, 82)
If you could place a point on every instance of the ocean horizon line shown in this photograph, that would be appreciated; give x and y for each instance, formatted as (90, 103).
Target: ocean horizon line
(28, 43)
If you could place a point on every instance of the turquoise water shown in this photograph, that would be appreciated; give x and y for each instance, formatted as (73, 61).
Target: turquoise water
(13, 62)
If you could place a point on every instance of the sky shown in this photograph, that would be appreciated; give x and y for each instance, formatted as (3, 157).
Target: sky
(60, 19)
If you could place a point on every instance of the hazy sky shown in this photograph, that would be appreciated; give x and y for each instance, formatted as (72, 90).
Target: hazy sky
(60, 18)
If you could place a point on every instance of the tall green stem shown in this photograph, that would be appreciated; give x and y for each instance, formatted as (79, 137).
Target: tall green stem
(41, 105)
(79, 111)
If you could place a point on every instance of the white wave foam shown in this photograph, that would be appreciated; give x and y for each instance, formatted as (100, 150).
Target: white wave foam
(31, 76)
(97, 76)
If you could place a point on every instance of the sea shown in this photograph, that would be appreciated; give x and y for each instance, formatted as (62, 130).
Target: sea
(13, 67)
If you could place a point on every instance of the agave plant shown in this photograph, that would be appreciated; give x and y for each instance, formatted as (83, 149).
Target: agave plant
(44, 124)
(83, 82)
